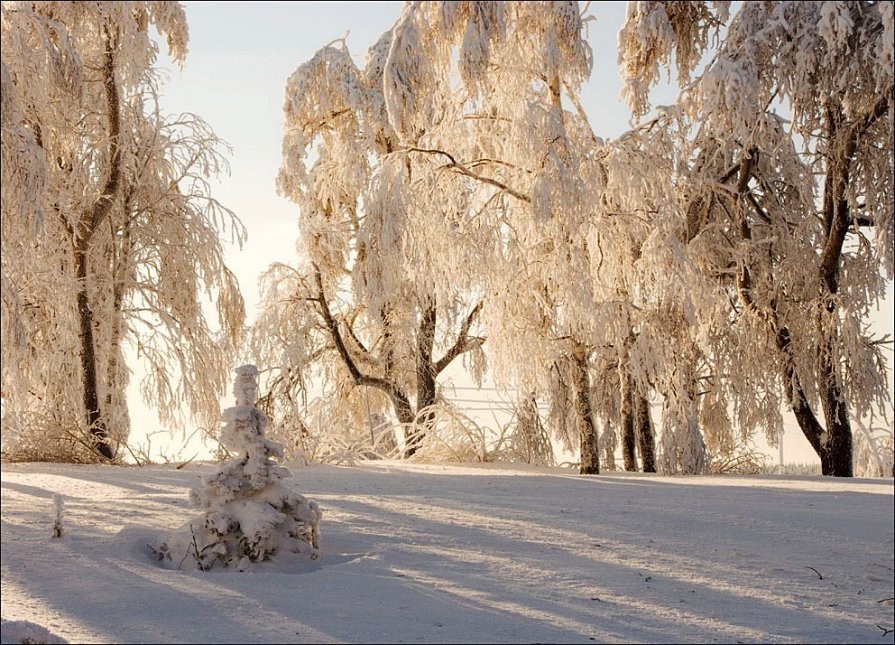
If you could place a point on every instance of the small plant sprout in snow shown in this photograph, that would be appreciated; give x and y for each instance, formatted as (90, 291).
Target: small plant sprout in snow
(57, 518)
(247, 515)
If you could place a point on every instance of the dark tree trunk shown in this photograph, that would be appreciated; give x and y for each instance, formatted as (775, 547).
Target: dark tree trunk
(425, 380)
(836, 457)
(629, 439)
(833, 445)
(403, 409)
(95, 420)
(590, 452)
(646, 437)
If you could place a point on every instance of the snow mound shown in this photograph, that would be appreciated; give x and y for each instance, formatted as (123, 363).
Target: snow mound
(22, 631)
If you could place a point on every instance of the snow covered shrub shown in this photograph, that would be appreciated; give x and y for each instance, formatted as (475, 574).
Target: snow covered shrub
(608, 442)
(874, 454)
(330, 431)
(741, 458)
(682, 448)
(56, 436)
(452, 437)
(529, 442)
(247, 515)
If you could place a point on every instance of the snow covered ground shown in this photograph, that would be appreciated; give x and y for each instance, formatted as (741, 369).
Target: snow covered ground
(421, 554)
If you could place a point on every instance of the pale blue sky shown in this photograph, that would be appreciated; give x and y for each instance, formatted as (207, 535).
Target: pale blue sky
(241, 54)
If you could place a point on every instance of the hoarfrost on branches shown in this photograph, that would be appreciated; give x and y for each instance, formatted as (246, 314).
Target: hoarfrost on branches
(110, 236)
(363, 311)
(784, 143)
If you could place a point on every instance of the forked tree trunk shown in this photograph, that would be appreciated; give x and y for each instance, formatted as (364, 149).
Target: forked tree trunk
(836, 457)
(833, 445)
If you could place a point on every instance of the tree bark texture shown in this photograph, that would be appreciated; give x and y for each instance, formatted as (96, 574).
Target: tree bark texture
(425, 380)
(590, 452)
(836, 458)
(646, 436)
(89, 223)
(95, 420)
(627, 423)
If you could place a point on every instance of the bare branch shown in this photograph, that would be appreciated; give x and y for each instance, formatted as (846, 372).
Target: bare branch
(463, 343)
(463, 170)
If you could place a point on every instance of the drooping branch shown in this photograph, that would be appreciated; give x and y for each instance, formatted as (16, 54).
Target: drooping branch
(358, 345)
(457, 166)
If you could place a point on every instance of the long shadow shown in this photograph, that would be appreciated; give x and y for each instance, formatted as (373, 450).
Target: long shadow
(234, 608)
(120, 476)
(452, 575)
(576, 568)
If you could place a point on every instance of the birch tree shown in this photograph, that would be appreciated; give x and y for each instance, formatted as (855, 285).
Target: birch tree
(507, 145)
(786, 140)
(115, 237)
(364, 309)
(576, 257)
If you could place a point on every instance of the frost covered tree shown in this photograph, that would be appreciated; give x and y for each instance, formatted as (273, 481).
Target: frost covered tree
(424, 191)
(502, 148)
(248, 516)
(110, 235)
(784, 145)
(571, 253)
(364, 311)
(530, 441)
(688, 260)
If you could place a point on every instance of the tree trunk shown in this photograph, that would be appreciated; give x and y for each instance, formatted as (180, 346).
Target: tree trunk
(403, 409)
(833, 445)
(89, 223)
(836, 444)
(629, 439)
(115, 405)
(590, 451)
(425, 380)
(646, 437)
(407, 419)
(95, 420)
(836, 456)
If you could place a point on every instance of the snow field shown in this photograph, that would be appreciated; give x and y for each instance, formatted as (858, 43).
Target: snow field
(420, 553)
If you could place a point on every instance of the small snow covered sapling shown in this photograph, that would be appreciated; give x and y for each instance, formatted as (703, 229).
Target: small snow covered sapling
(248, 516)
(59, 510)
